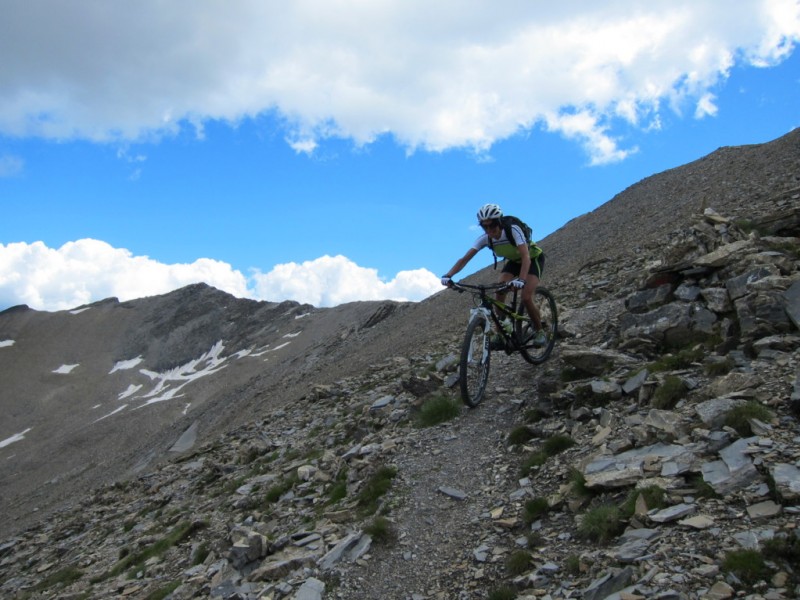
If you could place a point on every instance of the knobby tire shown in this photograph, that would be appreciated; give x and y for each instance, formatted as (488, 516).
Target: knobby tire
(524, 329)
(475, 362)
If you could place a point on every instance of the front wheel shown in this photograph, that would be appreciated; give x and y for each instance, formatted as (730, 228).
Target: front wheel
(474, 365)
(534, 350)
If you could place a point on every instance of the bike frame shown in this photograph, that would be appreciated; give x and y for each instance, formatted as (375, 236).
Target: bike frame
(488, 304)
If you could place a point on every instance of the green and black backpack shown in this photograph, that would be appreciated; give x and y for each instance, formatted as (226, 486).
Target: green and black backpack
(506, 222)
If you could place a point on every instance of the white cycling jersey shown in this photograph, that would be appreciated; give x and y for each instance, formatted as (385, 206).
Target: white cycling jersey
(503, 247)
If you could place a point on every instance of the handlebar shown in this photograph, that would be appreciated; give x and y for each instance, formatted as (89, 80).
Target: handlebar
(483, 288)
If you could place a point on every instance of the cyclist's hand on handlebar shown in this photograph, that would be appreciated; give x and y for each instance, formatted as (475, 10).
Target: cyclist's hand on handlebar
(446, 281)
(517, 283)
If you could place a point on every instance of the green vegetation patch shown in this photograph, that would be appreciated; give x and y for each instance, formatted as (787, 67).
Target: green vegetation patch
(182, 532)
(669, 393)
(601, 524)
(739, 417)
(380, 529)
(438, 409)
(502, 593)
(521, 435)
(681, 359)
(375, 487)
(534, 509)
(518, 562)
(62, 577)
(550, 447)
(654, 497)
(747, 565)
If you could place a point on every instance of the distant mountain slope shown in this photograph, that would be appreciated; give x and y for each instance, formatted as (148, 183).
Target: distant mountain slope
(740, 182)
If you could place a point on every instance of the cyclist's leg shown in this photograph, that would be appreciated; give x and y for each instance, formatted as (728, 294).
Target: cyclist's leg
(528, 292)
(510, 271)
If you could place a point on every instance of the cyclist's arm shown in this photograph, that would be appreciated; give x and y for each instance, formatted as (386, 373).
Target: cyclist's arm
(462, 262)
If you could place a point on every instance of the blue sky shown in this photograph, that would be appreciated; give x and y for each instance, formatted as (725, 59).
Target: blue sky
(327, 152)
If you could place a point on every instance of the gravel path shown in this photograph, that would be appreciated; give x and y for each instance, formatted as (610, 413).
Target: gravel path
(435, 467)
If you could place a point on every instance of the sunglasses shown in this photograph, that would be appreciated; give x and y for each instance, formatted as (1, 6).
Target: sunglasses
(489, 225)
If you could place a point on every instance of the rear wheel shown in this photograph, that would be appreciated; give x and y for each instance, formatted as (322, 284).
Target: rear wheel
(532, 350)
(475, 355)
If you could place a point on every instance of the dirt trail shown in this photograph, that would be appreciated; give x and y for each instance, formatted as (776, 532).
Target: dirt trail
(438, 531)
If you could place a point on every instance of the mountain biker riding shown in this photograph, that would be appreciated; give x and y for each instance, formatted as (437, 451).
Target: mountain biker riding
(522, 267)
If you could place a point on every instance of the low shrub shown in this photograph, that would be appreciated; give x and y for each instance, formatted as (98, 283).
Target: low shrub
(747, 565)
(669, 393)
(375, 487)
(601, 524)
(380, 529)
(535, 508)
(518, 562)
(502, 593)
(438, 409)
(654, 497)
(739, 417)
(520, 435)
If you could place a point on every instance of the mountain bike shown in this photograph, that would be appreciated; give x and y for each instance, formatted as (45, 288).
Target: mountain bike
(510, 325)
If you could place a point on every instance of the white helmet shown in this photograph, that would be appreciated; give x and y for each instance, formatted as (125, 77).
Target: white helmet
(489, 211)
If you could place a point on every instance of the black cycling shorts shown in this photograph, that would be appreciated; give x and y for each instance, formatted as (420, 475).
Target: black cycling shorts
(537, 266)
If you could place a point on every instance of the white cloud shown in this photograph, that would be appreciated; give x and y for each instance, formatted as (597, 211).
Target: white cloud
(439, 76)
(89, 270)
(332, 280)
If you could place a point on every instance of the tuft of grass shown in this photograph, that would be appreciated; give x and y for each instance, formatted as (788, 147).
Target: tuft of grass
(535, 508)
(669, 393)
(180, 533)
(557, 444)
(535, 459)
(438, 409)
(718, 368)
(279, 489)
(550, 447)
(678, 360)
(381, 530)
(502, 593)
(572, 565)
(164, 591)
(534, 415)
(520, 435)
(654, 497)
(518, 562)
(578, 485)
(570, 374)
(784, 549)
(704, 490)
(739, 417)
(601, 524)
(62, 577)
(747, 565)
(375, 487)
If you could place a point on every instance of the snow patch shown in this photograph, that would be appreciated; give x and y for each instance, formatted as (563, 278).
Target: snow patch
(65, 369)
(126, 364)
(208, 364)
(292, 335)
(113, 412)
(132, 389)
(6, 343)
(14, 438)
(78, 311)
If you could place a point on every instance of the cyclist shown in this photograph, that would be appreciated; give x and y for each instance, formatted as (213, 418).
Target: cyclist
(523, 265)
